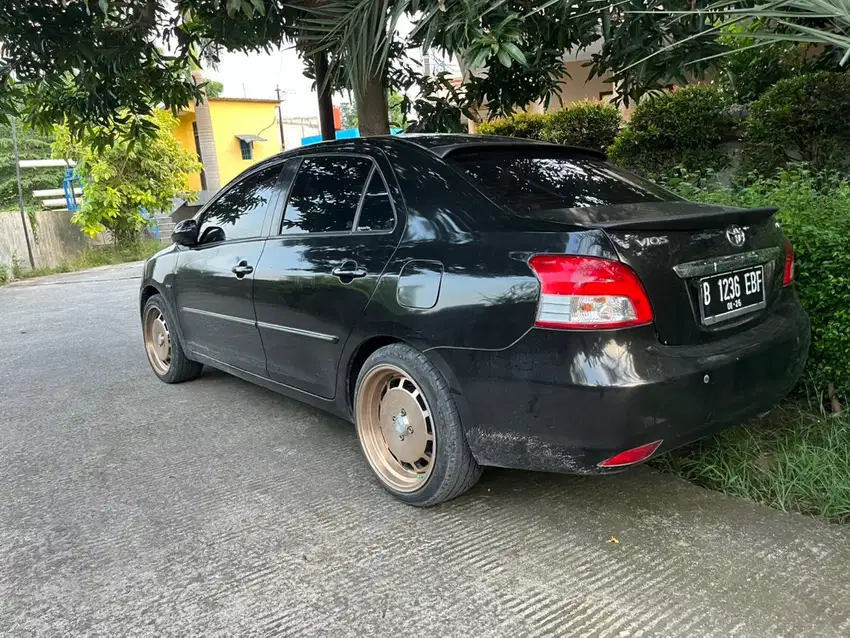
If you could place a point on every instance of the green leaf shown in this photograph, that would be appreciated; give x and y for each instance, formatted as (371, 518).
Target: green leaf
(514, 52)
(233, 6)
(504, 57)
(480, 59)
(104, 6)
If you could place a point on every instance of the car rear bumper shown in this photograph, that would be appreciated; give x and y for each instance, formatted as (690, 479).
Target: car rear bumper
(566, 401)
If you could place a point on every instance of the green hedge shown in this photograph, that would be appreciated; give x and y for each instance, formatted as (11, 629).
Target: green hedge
(814, 210)
(806, 118)
(588, 124)
(522, 124)
(684, 128)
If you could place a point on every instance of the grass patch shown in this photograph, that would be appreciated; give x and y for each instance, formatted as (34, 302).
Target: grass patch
(91, 258)
(794, 459)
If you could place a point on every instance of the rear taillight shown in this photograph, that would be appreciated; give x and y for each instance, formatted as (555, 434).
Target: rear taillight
(630, 457)
(788, 277)
(584, 293)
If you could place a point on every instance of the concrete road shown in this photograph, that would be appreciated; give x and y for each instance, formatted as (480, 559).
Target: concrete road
(131, 507)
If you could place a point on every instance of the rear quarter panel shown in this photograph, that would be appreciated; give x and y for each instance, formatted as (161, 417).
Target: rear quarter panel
(488, 295)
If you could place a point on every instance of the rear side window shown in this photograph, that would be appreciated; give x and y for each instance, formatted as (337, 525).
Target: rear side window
(527, 181)
(376, 213)
(325, 194)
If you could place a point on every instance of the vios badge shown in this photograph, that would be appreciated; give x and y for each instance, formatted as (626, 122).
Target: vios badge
(736, 236)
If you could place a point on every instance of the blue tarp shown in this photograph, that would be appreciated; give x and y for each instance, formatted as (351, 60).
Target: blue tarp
(340, 135)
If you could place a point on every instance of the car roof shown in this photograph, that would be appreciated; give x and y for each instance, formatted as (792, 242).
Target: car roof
(445, 144)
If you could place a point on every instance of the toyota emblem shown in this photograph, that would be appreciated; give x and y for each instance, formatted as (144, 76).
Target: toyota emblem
(736, 236)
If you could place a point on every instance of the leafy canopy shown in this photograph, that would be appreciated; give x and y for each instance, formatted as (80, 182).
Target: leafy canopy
(103, 67)
(108, 63)
(753, 66)
(121, 179)
(86, 62)
(647, 43)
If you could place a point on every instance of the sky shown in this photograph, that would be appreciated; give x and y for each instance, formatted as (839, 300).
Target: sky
(256, 75)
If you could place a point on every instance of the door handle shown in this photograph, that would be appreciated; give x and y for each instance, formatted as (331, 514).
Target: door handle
(241, 269)
(349, 270)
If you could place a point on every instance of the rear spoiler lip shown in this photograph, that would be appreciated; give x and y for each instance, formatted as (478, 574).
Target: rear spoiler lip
(695, 221)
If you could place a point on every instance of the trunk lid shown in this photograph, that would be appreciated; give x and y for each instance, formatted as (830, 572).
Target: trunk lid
(675, 247)
(671, 215)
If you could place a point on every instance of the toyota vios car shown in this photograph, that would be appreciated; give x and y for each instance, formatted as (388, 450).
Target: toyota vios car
(470, 301)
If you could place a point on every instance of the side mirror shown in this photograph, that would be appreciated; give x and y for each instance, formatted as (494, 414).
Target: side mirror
(212, 235)
(185, 233)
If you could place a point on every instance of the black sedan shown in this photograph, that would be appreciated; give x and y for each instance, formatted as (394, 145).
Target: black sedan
(470, 301)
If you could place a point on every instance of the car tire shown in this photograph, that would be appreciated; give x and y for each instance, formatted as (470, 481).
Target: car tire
(162, 345)
(410, 429)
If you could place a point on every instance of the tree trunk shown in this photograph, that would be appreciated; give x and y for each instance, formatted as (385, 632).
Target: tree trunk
(205, 144)
(372, 115)
(323, 89)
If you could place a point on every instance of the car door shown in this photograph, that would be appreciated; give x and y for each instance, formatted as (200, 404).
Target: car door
(214, 280)
(320, 267)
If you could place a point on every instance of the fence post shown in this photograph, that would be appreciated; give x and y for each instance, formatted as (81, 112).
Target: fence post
(20, 191)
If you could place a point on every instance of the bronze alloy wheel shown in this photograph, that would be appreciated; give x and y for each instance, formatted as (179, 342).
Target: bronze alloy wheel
(157, 340)
(396, 428)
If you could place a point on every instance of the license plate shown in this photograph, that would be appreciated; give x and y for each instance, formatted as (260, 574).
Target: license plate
(731, 294)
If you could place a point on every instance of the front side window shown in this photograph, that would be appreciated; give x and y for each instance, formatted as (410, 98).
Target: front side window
(240, 212)
(325, 194)
(376, 212)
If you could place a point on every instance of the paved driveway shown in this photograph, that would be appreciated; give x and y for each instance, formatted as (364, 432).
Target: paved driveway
(132, 507)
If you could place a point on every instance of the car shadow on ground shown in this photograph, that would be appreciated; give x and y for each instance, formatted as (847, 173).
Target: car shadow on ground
(630, 491)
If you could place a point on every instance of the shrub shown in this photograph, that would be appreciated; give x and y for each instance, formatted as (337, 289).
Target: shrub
(528, 125)
(814, 210)
(588, 124)
(133, 174)
(800, 119)
(17, 266)
(684, 128)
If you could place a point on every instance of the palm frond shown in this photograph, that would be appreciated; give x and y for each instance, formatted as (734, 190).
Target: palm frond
(793, 16)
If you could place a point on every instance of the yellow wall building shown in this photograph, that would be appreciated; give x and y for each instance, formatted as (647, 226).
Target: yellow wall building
(229, 135)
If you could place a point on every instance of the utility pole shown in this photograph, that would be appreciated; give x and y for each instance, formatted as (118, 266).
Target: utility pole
(20, 191)
(280, 118)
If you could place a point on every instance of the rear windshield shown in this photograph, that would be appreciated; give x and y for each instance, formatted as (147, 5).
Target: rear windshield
(528, 180)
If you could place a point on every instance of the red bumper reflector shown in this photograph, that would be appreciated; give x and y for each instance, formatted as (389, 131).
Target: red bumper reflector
(788, 275)
(635, 455)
